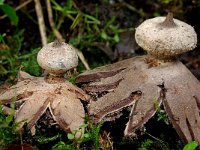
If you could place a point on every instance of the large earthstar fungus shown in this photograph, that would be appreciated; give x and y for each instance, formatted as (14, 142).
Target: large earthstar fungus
(158, 77)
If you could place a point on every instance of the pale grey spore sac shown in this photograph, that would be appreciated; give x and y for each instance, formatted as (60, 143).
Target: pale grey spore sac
(57, 58)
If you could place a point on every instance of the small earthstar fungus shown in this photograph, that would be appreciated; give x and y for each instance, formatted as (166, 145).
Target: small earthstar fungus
(157, 78)
(35, 94)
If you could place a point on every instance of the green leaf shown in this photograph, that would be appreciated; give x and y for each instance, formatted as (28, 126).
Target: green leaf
(69, 4)
(91, 19)
(86, 135)
(116, 38)
(70, 136)
(9, 119)
(76, 20)
(2, 37)
(104, 35)
(191, 146)
(10, 12)
(72, 80)
(2, 2)
(57, 6)
(84, 125)
(166, 1)
(146, 144)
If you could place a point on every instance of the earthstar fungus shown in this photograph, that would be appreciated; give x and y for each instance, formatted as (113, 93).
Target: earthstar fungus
(142, 81)
(37, 94)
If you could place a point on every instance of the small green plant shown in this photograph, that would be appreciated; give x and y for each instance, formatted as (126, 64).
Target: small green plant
(162, 116)
(191, 146)
(29, 62)
(8, 134)
(2, 38)
(9, 53)
(72, 79)
(146, 144)
(165, 1)
(63, 146)
(43, 139)
(91, 136)
(12, 59)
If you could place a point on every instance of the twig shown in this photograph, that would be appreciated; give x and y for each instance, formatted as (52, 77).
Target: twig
(17, 8)
(82, 58)
(40, 17)
(132, 8)
(155, 138)
(59, 36)
(51, 21)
